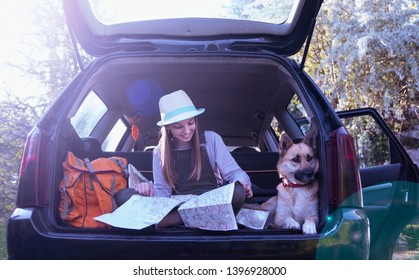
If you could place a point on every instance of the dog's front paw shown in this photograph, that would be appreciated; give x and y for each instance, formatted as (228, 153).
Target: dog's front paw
(309, 227)
(290, 223)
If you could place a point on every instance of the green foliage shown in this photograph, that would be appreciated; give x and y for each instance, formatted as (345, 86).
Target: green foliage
(411, 234)
(370, 141)
(52, 59)
(17, 118)
(3, 244)
(52, 63)
(260, 10)
(363, 54)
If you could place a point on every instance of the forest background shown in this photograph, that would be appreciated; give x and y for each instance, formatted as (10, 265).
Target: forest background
(362, 54)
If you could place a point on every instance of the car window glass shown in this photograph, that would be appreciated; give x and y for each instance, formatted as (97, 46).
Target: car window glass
(119, 11)
(276, 127)
(114, 137)
(371, 144)
(299, 114)
(297, 111)
(85, 119)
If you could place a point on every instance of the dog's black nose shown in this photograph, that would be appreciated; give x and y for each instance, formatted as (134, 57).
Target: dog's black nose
(304, 175)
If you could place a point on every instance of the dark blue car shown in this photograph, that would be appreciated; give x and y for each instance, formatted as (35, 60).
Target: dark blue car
(240, 71)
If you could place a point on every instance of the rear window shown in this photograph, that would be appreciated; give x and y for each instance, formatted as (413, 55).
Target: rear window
(121, 11)
(298, 113)
(85, 119)
(114, 137)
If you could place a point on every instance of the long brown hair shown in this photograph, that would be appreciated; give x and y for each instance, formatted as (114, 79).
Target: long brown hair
(167, 159)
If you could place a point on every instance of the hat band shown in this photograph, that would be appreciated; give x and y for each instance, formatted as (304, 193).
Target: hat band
(176, 112)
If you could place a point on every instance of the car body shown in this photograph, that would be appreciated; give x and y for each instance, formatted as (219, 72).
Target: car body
(241, 73)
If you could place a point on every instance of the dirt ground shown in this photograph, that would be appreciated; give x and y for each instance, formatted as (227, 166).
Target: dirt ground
(406, 255)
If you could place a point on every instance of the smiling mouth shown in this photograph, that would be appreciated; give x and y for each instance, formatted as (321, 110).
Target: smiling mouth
(185, 138)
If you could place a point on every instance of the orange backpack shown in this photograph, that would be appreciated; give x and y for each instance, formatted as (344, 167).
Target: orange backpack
(87, 189)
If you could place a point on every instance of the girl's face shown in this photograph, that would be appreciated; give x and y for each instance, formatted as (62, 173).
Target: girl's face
(183, 131)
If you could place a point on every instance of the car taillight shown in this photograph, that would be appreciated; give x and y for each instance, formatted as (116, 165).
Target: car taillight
(32, 177)
(344, 170)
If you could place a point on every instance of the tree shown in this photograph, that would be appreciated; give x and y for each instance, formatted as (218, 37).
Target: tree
(364, 54)
(52, 63)
(51, 59)
(17, 118)
(276, 11)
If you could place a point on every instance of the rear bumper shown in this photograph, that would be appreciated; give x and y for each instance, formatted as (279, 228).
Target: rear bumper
(346, 236)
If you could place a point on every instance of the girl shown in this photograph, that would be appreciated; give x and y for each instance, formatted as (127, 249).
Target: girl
(188, 161)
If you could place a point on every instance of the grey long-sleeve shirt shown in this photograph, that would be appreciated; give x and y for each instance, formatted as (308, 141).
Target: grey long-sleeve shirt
(223, 165)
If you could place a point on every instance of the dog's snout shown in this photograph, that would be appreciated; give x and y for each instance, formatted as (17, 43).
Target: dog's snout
(304, 175)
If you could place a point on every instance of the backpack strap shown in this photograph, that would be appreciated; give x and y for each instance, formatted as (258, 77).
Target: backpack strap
(122, 165)
(66, 197)
(124, 168)
(89, 165)
(92, 176)
(68, 202)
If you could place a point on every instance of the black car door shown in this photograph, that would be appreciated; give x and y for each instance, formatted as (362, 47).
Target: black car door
(389, 179)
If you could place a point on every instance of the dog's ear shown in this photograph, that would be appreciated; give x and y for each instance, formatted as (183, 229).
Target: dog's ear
(311, 136)
(284, 144)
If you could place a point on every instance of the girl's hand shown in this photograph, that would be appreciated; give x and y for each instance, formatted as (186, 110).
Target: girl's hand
(145, 189)
(249, 192)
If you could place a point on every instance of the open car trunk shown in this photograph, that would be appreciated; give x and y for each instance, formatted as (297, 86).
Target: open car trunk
(262, 88)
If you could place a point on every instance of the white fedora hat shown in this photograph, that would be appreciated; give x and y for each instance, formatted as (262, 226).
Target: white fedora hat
(176, 107)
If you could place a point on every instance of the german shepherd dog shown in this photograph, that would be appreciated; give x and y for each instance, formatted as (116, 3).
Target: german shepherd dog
(296, 205)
